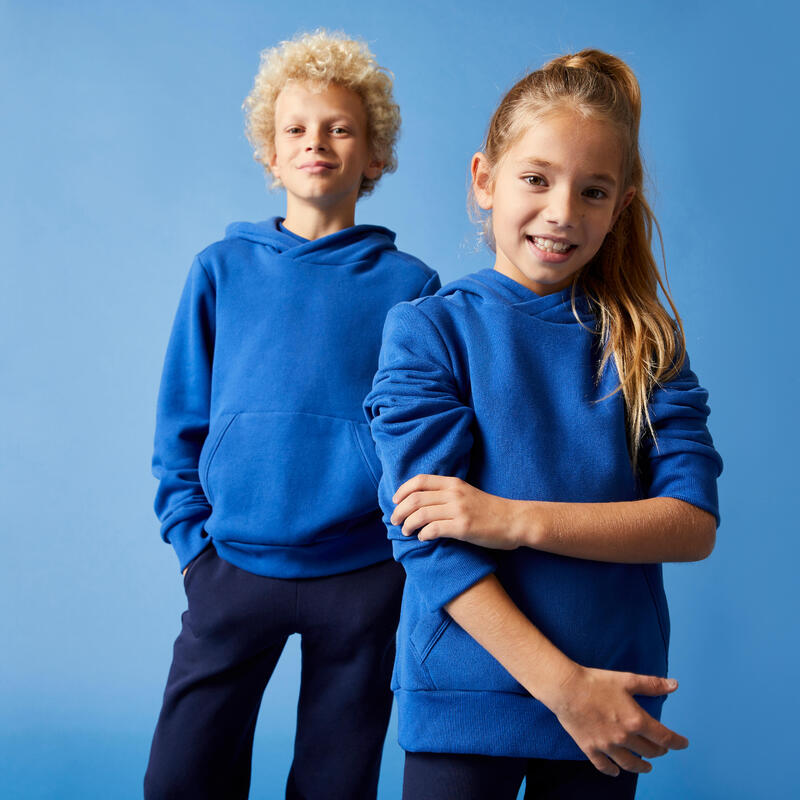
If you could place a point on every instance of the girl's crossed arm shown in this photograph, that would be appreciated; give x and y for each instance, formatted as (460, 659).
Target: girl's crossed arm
(637, 532)
(676, 522)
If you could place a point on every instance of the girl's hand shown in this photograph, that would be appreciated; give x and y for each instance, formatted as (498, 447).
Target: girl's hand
(597, 709)
(440, 506)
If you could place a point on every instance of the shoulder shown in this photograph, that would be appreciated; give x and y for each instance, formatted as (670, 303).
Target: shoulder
(410, 269)
(432, 310)
(403, 260)
(449, 305)
(435, 325)
(223, 250)
(228, 256)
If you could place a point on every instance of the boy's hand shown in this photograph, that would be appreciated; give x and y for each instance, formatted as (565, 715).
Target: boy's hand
(597, 709)
(436, 506)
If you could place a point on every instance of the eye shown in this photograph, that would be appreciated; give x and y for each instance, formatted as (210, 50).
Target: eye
(535, 180)
(596, 194)
(338, 130)
(294, 129)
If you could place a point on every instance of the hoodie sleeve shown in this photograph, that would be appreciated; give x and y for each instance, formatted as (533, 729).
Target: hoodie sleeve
(681, 462)
(420, 425)
(182, 418)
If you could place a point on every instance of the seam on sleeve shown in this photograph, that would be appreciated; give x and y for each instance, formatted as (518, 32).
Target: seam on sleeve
(418, 305)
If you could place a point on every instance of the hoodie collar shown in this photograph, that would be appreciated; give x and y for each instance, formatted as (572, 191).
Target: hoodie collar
(494, 286)
(357, 243)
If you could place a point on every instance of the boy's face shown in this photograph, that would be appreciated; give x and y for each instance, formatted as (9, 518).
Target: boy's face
(321, 149)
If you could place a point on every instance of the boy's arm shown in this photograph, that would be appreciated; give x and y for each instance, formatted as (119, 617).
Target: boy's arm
(596, 707)
(182, 418)
(676, 522)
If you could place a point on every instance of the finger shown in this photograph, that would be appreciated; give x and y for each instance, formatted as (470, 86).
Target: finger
(439, 528)
(627, 760)
(414, 501)
(663, 736)
(418, 483)
(422, 517)
(651, 685)
(644, 747)
(603, 764)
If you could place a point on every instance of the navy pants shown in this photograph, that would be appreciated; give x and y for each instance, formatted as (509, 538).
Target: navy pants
(233, 632)
(441, 776)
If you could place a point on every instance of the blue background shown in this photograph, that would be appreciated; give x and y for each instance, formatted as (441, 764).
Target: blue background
(122, 154)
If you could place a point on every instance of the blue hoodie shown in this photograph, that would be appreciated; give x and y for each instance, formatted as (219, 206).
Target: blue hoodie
(260, 442)
(489, 382)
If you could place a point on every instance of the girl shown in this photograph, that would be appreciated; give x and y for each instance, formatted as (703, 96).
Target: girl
(544, 447)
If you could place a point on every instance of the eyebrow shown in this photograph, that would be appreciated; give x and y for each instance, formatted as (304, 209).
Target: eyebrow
(603, 177)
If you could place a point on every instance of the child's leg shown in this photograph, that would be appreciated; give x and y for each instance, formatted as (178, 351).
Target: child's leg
(348, 625)
(231, 639)
(575, 780)
(446, 776)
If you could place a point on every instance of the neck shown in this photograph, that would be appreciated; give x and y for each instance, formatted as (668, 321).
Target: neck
(312, 221)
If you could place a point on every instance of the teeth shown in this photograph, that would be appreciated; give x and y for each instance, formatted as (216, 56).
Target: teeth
(550, 246)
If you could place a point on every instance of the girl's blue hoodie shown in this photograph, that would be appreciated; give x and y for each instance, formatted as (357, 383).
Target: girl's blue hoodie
(260, 442)
(489, 382)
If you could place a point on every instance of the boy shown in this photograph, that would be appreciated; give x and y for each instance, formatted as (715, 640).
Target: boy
(268, 477)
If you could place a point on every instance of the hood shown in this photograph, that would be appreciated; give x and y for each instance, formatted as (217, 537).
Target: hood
(357, 243)
(493, 286)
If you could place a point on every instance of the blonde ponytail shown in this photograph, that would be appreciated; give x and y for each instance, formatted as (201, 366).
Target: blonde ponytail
(622, 281)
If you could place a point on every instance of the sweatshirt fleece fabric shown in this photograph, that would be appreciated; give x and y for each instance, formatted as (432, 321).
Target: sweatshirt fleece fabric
(489, 382)
(260, 442)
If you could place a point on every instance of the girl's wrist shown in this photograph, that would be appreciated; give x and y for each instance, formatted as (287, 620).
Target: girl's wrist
(554, 677)
(530, 523)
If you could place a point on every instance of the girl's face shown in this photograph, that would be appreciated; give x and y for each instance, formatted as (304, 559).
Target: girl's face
(555, 196)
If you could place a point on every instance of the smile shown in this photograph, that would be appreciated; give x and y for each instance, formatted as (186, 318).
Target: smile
(317, 167)
(551, 245)
(550, 251)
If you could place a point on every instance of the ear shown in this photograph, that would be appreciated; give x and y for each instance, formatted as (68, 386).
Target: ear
(482, 181)
(273, 164)
(623, 204)
(374, 169)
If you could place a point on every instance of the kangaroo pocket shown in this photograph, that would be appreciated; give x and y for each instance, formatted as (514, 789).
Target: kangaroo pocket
(601, 614)
(453, 661)
(288, 478)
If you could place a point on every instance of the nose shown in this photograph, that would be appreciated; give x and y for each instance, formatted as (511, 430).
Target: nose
(315, 142)
(562, 208)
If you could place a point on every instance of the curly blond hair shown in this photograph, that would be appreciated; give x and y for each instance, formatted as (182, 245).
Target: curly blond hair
(322, 58)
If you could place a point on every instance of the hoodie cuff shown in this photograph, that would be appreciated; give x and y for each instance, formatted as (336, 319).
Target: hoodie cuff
(688, 477)
(189, 539)
(440, 571)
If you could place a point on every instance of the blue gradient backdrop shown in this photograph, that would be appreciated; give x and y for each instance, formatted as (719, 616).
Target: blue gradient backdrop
(122, 153)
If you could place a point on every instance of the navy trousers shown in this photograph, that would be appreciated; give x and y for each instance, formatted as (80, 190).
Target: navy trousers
(441, 776)
(232, 635)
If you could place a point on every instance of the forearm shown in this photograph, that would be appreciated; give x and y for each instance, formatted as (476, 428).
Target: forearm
(490, 616)
(639, 531)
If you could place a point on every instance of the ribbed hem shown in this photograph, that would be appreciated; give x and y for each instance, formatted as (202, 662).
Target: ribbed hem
(354, 549)
(488, 723)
